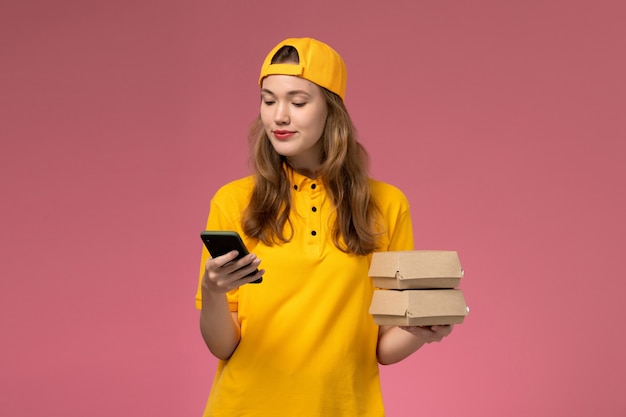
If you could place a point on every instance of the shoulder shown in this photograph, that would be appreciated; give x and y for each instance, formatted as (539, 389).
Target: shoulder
(240, 185)
(237, 191)
(387, 195)
(395, 219)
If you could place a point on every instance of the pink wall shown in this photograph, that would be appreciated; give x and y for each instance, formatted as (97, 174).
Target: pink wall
(503, 122)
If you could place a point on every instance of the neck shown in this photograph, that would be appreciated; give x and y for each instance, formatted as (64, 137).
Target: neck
(307, 171)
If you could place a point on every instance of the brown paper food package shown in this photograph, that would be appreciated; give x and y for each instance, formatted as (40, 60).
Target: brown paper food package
(417, 269)
(418, 307)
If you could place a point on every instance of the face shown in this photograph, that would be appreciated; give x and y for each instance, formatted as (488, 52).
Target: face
(293, 112)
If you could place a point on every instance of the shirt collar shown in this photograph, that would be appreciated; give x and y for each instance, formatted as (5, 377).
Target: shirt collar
(301, 182)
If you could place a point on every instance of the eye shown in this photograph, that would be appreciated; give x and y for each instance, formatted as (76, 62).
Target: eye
(298, 104)
(268, 102)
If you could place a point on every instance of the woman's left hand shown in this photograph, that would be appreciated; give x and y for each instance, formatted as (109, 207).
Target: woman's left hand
(429, 334)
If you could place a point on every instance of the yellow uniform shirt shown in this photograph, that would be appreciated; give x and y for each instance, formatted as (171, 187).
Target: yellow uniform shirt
(308, 343)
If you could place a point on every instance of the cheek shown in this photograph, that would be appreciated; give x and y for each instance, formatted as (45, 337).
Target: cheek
(320, 122)
(265, 118)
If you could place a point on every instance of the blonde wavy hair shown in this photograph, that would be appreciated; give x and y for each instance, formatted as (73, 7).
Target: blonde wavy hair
(344, 172)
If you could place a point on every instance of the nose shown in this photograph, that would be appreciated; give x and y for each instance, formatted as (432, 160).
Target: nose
(281, 114)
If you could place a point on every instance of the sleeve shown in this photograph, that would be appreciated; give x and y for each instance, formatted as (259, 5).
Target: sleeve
(398, 227)
(219, 219)
(402, 231)
(397, 222)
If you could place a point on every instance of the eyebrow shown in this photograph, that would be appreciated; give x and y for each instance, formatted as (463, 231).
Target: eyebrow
(289, 93)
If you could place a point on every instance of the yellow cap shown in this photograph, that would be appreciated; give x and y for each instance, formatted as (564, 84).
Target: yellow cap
(319, 63)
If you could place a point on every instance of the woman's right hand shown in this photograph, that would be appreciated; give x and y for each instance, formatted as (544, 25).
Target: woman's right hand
(223, 273)
(219, 325)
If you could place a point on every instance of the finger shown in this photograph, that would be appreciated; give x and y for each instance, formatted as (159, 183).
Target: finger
(250, 278)
(249, 268)
(429, 334)
(443, 330)
(219, 270)
(420, 331)
(222, 260)
(243, 266)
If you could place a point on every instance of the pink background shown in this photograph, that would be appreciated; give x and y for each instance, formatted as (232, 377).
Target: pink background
(503, 122)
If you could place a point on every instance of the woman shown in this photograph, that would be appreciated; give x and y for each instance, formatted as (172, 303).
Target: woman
(302, 343)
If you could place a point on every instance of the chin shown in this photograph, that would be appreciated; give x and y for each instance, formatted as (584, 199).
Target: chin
(284, 149)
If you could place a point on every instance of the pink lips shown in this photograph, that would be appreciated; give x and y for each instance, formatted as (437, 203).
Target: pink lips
(283, 134)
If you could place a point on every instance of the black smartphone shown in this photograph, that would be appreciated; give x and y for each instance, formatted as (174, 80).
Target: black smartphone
(220, 242)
